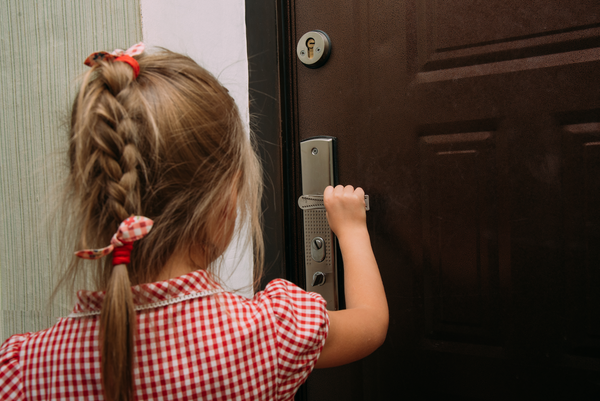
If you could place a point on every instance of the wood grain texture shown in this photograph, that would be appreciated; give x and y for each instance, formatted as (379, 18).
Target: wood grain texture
(42, 48)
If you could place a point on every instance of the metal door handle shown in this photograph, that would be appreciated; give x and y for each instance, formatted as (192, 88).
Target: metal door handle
(308, 202)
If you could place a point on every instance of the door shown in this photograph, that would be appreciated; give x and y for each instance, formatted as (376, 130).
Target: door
(474, 126)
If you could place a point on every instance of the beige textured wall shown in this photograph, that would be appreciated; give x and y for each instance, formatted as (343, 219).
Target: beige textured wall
(42, 47)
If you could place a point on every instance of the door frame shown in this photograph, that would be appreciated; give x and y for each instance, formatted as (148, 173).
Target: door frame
(270, 39)
(268, 122)
(272, 120)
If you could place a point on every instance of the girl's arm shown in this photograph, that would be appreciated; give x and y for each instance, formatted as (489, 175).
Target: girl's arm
(361, 328)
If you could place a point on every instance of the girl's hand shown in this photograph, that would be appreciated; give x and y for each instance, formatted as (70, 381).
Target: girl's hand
(345, 209)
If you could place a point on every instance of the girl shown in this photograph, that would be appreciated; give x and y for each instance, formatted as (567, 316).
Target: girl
(158, 153)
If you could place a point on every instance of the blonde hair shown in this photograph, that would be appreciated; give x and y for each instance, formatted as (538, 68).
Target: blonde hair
(170, 146)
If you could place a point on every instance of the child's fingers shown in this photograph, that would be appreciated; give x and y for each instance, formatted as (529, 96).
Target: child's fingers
(333, 195)
(327, 194)
(348, 190)
(341, 190)
(360, 193)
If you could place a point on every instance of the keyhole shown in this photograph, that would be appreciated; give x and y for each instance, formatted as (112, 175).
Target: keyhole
(310, 43)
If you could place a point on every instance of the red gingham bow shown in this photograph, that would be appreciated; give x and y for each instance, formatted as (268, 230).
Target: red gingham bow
(125, 56)
(132, 229)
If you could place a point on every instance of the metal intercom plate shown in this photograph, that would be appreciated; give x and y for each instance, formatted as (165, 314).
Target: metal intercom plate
(317, 157)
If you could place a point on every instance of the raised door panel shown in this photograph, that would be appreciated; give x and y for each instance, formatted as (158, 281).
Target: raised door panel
(581, 178)
(460, 237)
(473, 32)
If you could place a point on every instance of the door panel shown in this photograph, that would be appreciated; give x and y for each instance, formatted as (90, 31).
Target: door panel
(461, 33)
(460, 263)
(467, 23)
(474, 126)
(581, 143)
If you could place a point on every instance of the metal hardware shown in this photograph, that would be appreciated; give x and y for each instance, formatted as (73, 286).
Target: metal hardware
(308, 202)
(319, 279)
(317, 157)
(317, 250)
(314, 48)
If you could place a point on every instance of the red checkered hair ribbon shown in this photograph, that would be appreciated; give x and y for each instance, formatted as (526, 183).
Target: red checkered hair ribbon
(132, 229)
(125, 56)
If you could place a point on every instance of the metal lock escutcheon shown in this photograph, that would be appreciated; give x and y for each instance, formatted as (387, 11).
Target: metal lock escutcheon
(314, 48)
(318, 249)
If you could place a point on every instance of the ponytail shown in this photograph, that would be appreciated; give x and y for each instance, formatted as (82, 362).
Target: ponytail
(117, 330)
(117, 318)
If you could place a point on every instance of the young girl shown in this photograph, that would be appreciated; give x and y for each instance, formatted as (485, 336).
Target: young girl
(160, 169)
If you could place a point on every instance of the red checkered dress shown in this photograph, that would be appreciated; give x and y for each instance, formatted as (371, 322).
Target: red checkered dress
(195, 341)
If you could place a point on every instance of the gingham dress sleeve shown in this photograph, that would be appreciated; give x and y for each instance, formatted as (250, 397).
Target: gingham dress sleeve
(302, 324)
(11, 386)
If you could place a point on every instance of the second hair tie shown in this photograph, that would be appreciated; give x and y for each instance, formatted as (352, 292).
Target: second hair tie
(131, 229)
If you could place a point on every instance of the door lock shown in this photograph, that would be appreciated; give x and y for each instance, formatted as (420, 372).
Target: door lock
(317, 249)
(314, 48)
(318, 279)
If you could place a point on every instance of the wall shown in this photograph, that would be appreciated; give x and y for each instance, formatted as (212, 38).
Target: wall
(42, 48)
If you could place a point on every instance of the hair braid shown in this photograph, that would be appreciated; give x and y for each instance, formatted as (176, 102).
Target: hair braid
(120, 157)
(104, 143)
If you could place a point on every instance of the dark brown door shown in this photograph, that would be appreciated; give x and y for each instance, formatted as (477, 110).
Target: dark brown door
(474, 126)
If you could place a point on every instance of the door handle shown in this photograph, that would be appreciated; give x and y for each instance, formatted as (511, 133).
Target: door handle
(307, 202)
(318, 166)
